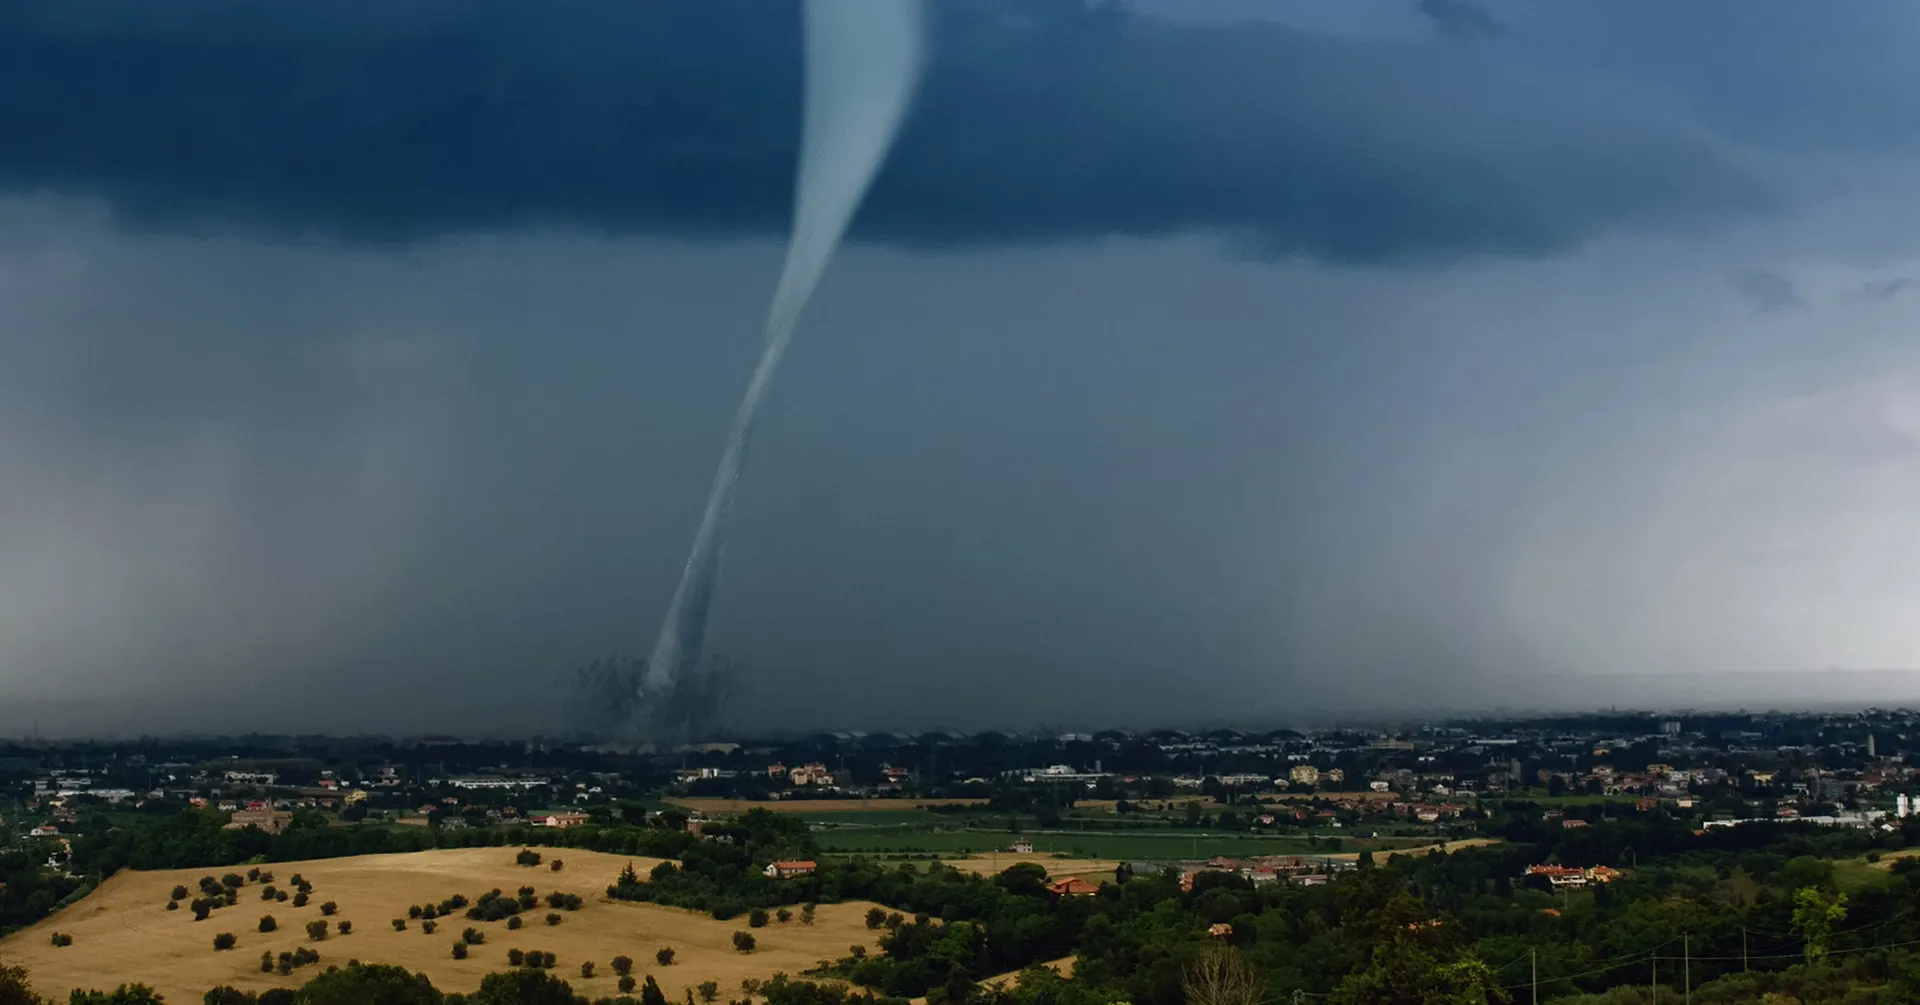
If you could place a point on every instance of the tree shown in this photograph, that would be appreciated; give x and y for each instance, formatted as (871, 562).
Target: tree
(15, 988)
(329, 908)
(709, 990)
(514, 923)
(225, 995)
(225, 940)
(1815, 913)
(623, 965)
(346, 928)
(650, 993)
(316, 930)
(556, 865)
(743, 941)
(300, 899)
(806, 914)
(1222, 977)
(858, 951)
(783, 915)
(266, 962)
(626, 984)
(429, 926)
(179, 893)
(201, 908)
(369, 984)
(399, 924)
(664, 956)
(125, 994)
(173, 905)
(232, 880)
(459, 950)
(516, 957)
(522, 987)
(527, 856)
(61, 940)
(553, 919)
(876, 917)
(586, 969)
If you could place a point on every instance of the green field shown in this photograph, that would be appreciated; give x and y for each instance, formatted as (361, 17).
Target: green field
(1143, 846)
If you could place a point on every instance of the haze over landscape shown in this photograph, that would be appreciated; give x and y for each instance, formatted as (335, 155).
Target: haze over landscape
(365, 371)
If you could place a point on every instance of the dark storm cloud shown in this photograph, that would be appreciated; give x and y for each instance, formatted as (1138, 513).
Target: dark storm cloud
(1038, 122)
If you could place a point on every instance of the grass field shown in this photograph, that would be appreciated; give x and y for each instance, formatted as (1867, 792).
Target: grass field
(122, 931)
(1145, 846)
(813, 806)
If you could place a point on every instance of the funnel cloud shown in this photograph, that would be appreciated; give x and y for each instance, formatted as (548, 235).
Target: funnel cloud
(863, 59)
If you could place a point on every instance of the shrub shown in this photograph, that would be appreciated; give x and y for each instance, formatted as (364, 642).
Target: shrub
(556, 899)
(267, 924)
(300, 899)
(553, 919)
(586, 969)
(429, 926)
(316, 930)
(876, 917)
(201, 908)
(513, 923)
(709, 990)
(415, 911)
(664, 956)
(62, 940)
(173, 905)
(783, 915)
(459, 950)
(266, 962)
(268, 892)
(573, 902)
(253, 874)
(858, 951)
(232, 897)
(806, 914)
(757, 918)
(298, 880)
(429, 911)
(232, 879)
(527, 856)
(474, 936)
(346, 928)
(626, 984)
(743, 941)
(281, 897)
(516, 958)
(207, 884)
(399, 924)
(623, 965)
(179, 893)
(265, 876)
(556, 865)
(225, 940)
(329, 909)
(895, 920)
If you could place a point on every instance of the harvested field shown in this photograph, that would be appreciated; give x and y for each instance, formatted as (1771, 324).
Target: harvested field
(123, 932)
(1093, 870)
(725, 807)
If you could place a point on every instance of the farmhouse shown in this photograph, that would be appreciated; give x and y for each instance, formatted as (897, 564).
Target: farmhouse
(1021, 846)
(1072, 886)
(561, 821)
(788, 870)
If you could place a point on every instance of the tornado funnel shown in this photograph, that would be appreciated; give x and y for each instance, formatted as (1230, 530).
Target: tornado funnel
(863, 60)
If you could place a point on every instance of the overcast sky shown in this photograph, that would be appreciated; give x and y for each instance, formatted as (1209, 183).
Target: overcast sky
(365, 366)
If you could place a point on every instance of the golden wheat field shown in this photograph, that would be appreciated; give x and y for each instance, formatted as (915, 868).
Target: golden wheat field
(123, 931)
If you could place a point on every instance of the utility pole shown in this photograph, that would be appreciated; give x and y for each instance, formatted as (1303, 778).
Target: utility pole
(1686, 967)
(1653, 982)
(1534, 954)
(1743, 949)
